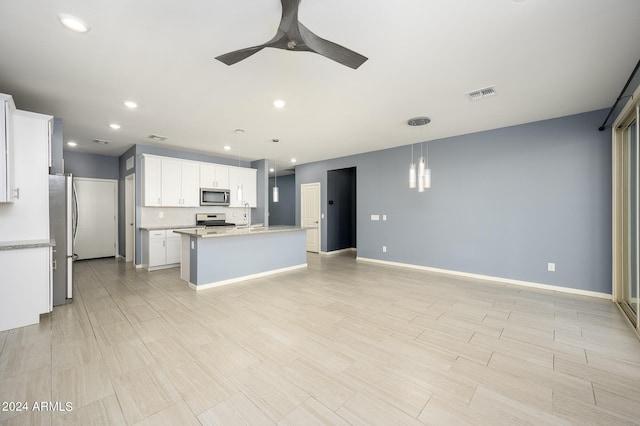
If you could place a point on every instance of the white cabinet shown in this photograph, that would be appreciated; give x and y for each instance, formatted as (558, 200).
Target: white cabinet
(243, 185)
(169, 182)
(214, 176)
(151, 181)
(7, 108)
(180, 183)
(161, 249)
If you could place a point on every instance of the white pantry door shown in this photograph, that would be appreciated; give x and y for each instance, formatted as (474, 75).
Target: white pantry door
(96, 233)
(310, 214)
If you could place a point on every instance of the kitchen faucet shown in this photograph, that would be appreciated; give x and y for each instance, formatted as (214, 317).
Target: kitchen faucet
(247, 214)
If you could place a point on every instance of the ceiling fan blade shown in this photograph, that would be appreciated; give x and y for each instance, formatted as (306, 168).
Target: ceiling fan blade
(331, 50)
(238, 55)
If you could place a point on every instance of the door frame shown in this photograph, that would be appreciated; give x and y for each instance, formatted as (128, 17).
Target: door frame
(628, 114)
(115, 203)
(130, 214)
(307, 185)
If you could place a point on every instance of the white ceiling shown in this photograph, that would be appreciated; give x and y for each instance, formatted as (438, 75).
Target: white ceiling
(546, 58)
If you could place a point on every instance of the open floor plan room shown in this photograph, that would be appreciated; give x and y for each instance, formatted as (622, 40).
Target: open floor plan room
(342, 342)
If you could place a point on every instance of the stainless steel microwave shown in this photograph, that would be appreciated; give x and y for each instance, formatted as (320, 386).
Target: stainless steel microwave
(214, 197)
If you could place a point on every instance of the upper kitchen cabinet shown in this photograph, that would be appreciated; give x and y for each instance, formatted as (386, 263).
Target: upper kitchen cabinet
(7, 109)
(169, 182)
(151, 181)
(214, 176)
(243, 184)
(180, 183)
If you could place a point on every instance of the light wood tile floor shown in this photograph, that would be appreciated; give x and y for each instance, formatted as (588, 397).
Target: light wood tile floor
(339, 343)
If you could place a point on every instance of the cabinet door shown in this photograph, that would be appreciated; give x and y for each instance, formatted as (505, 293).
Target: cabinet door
(171, 183)
(157, 248)
(207, 176)
(243, 186)
(222, 177)
(151, 181)
(190, 184)
(174, 247)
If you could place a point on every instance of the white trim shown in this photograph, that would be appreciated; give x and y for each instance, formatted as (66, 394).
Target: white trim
(334, 252)
(199, 287)
(490, 278)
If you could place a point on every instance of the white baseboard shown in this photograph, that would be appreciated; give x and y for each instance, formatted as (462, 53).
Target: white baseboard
(331, 253)
(493, 279)
(199, 287)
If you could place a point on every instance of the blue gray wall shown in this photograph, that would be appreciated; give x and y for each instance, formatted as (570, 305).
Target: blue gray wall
(503, 203)
(284, 211)
(92, 166)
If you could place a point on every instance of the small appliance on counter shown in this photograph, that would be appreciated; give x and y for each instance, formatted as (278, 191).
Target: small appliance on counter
(212, 219)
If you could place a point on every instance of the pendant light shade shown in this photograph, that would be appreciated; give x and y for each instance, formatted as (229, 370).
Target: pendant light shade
(412, 175)
(421, 175)
(427, 178)
(239, 192)
(276, 191)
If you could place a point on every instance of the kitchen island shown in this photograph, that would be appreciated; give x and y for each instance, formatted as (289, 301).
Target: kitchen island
(217, 256)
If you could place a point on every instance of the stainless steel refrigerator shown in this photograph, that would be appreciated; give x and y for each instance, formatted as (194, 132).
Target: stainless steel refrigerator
(62, 226)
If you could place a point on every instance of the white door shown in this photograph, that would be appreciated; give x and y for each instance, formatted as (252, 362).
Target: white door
(96, 233)
(130, 230)
(310, 214)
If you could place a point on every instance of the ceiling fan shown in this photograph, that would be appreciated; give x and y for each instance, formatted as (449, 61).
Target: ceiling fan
(292, 35)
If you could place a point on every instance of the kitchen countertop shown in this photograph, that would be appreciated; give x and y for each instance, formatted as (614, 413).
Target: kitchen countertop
(159, 228)
(232, 232)
(25, 244)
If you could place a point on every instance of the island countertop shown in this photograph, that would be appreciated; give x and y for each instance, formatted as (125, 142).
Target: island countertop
(216, 232)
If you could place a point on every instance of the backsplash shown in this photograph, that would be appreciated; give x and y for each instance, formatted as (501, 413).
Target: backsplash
(180, 216)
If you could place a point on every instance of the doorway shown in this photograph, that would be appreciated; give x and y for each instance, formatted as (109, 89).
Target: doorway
(341, 209)
(96, 218)
(130, 219)
(310, 214)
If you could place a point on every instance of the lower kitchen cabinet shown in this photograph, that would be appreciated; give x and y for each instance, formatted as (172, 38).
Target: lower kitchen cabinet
(161, 249)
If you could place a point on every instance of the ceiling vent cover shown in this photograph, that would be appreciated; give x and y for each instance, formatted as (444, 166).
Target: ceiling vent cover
(101, 141)
(157, 138)
(476, 95)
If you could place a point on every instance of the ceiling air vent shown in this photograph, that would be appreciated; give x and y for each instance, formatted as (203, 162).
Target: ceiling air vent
(485, 92)
(157, 138)
(100, 141)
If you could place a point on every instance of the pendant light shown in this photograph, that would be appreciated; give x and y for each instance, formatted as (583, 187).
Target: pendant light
(239, 186)
(427, 171)
(423, 173)
(276, 192)
(412, 171)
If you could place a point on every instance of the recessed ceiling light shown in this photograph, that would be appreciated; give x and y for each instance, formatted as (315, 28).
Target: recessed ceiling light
(73, 23)
(72, 144)
(114, 126)
(293, 160)
(130, 104)
(227, 148)
(279, 103)
(271, 170)
(239, 131)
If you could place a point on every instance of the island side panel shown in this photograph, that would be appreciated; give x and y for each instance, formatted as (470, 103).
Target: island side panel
(221, 259)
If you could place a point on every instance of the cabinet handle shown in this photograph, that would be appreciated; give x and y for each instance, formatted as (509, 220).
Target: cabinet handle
(17, 193)
(158, 200)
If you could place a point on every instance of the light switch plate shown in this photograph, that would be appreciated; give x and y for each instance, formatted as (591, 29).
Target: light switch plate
(375, 217)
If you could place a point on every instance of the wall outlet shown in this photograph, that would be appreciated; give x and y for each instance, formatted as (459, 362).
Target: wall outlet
(551, 267)
(322, 216)
(384, 249)
(375, 217)
(161, 215)
(384, 217)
